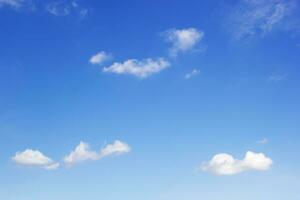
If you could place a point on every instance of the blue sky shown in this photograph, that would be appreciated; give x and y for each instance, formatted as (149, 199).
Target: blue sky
(149, 100)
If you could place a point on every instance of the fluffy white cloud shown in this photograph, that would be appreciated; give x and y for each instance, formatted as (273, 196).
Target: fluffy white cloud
(259, 17)
(138, 68)
(115, 148)
(34, 158)
(83, 153)
(183, 39)
(225, 164)
(191, 74)
(99, 58)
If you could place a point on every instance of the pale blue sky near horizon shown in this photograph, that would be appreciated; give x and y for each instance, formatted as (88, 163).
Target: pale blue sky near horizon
(245, 90)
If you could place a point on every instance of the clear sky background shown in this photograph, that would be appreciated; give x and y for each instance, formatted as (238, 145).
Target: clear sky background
(228, 82)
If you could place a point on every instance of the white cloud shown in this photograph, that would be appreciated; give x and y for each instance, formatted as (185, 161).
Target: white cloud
(99, 58)
(57, 9)
(183, 39)
(83, 153)
(259, 17)
(64, 8)
(13, 3)
(191, 74)
(226, 164)
(116, 148)
(34, 158)
(138, 68)
(52, 166)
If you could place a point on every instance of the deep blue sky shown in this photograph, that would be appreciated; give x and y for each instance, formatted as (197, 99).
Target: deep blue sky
(246, 89)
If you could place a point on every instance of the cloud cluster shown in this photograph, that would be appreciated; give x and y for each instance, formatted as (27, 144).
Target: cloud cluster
(183, 40)
(139, 68)
(226, 164)
(34, 158)
(81, 153)
(259, 17)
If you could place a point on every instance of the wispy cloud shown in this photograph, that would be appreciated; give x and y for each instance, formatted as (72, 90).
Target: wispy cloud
(139, 68)
(31, 157)
(100, 58)
(191, 74)
(83, 152)
(249, 18)
(226, 164)
(182, 40)
(56, 7)
(12, 3)
(17, 4)
(262, 141)
(277, 76)
(64, 8)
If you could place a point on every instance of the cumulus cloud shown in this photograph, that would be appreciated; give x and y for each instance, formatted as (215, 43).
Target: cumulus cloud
(183, 39)
(259, 17)
(83, 153)
(226, 164)
(115, 148)
(191, 74)
(99, 58)
(138, 68)
(34, 158)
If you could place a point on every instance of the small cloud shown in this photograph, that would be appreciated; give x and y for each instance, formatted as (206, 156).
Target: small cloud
(100, 58)
(64, 8)
(262, 141)
(139, 68)
(226, 164)
(52, 166)
(57, 9)
(34, 158)
(191, 74)
(182, 40)
(276, 77)
(83, 13)
(116, 148)
(83, 153)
